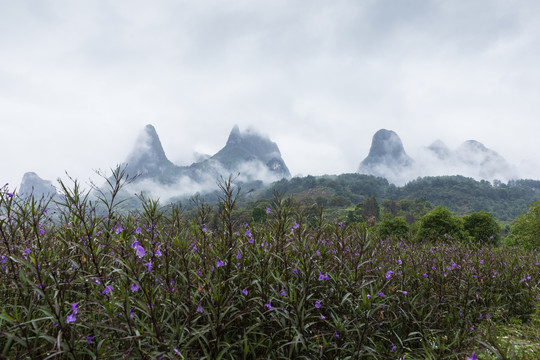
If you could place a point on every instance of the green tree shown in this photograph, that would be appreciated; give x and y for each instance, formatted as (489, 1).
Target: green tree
(391, 226)
(371, 210)
(439, 224)
(258, 215)
(339, 201)
(525, 231)
(482, 228)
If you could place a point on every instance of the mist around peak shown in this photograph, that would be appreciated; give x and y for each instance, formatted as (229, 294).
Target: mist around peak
(387, 158)
(247, 157)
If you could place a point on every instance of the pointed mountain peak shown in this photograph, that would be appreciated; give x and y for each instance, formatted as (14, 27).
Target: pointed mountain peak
(147, 155)
(33, 184)
(249, 146)
(387, 146)
(235, 136)
(387, 157)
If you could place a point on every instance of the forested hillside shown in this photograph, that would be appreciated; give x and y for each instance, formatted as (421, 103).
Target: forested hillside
(459, 194)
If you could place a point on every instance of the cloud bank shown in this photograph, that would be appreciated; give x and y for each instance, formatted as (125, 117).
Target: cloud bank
(80, 78)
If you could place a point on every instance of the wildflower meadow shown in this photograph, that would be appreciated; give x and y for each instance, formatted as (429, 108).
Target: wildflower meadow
(80, 278)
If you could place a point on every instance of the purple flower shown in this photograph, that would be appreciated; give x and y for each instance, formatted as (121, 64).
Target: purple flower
(425, 275)
(389, 274)
(317, 304)
(473, 356)
(204, 228)
(295, 226)
(199, 308)
(177, 352)
(239, 256)
(268, 210)
(140, 251)
(295, 271)
(158, 251)
(9, 194)
(283, 293)
(403, 292)
(134, 244)
(323, 277)
(89, 339)
(131, 313)
(245, 292)
(107, 290)
(138, 230)
(118, 229)
(27, 251)
(74, 308)
(381, 294)
(248, 233)
(71, 318)
(149, 265)
(269, 305)
(336, 335)
(219, 263)
(41, 231)
(134, 287)
(323, 317)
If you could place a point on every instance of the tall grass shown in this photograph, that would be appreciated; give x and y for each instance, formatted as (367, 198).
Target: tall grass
(92, 281)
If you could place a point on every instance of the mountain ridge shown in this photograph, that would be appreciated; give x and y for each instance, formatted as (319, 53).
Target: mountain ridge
(387, 158)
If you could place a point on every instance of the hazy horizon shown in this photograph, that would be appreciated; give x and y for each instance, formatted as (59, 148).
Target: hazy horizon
(79, 80)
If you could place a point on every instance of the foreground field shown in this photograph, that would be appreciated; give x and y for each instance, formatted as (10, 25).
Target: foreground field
(84, 283)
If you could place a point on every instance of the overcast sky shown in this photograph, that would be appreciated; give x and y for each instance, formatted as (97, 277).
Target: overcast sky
(80, 79)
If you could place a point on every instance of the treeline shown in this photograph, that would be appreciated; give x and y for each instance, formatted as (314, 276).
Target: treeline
(459, 194)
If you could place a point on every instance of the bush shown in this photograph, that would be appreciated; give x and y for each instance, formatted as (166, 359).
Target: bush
(439, 224)
(525, 231)
(482, 228)
(393, 226)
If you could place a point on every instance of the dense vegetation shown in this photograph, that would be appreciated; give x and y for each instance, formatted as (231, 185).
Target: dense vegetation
(459, 194)
(92, 281)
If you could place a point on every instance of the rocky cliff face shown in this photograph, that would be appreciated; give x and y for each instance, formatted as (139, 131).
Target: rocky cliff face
(32, 184)
(148, 160)
(253, 156)
(387, 157)
(247, 148)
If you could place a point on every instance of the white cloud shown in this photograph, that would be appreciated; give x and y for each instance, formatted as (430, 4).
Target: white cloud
(80, 79)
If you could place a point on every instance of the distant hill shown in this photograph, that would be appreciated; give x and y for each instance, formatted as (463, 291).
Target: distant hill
(253, 156)
(460, 194)
(387, 158)
(388, 173)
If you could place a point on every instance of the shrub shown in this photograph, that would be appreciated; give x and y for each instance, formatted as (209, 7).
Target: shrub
(439, 224)
(393, 226)
(482, 228)
(525, 231)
